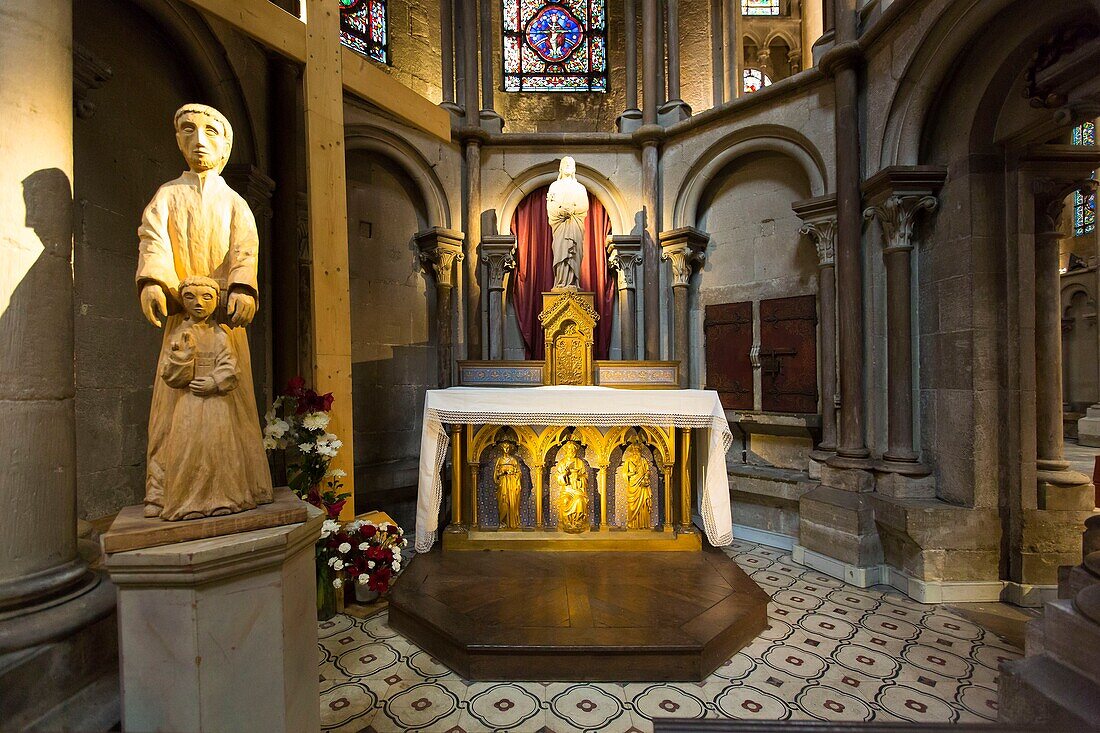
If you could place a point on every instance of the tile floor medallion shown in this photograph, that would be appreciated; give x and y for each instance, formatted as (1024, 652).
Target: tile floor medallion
(831, 652)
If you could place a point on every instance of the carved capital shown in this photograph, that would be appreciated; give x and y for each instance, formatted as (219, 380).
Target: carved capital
(685, 250)
(624, 254)
(898, 217)
(439, 250)
(1050, 200)
(823, 232)
(499, 253)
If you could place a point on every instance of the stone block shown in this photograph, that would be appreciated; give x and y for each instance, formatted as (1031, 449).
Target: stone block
(1053, 497)
(906, 487)
(848, 479)
(1071, 638)
(1088, 427)
(1039, 693)
(220, 633)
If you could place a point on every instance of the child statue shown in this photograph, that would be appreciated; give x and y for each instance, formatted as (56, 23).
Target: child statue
(204, 472)
(196, 225)
(639, 493)
(571, 476)
(507, 474)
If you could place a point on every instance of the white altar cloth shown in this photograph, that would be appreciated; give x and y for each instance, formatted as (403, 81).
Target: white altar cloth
(597, 406)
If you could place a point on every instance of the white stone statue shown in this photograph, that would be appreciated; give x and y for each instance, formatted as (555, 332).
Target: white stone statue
(198, 227)
(566, 209)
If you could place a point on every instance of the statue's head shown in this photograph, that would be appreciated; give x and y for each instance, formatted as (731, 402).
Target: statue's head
(204, 136)
(200, 296)
(569, 449)
(508, 447)
(568, 168)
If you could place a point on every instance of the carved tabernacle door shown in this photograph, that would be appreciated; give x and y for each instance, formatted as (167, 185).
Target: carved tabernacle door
(569, 323)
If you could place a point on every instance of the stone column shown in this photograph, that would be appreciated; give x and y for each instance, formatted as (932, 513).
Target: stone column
(717, 65)
(631, 118)
(498, 252)
(819, 217)
(896, 198)
(624, 253)
(734, 52)
(764, 62)
(651, 16)
(813, 25)
(675, 109)
(46, 590)
(1088, 427)
(469, 52)
(1059, 488)
(439, 250)
(841, 63)
(490, 120)
(685, 249)
(472, 139)
(447, 55)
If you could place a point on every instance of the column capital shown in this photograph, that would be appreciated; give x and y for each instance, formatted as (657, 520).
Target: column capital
(624, 254)
(896, 196)
(1056, 171)
(818, 217)
(439, 249)
(498, 251)
(685, 250)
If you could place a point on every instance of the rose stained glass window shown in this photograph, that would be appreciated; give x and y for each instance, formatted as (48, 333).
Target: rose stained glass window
(555, 45)
(759, 7)
(364, 28)
(755, 80)
(1084, 205)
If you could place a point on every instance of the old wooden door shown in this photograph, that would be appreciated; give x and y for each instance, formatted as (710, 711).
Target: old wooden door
(727, 329)
(788, 354)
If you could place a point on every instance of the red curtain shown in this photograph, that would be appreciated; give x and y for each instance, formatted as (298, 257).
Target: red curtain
(534, 273)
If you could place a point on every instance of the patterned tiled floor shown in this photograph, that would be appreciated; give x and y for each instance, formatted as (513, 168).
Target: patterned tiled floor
(831, 652)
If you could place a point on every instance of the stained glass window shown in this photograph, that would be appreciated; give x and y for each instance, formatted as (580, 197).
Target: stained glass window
(555, 45)
(759, 7)
(755, 80)
(1085, 134)
(364, 28)
(1084, 206)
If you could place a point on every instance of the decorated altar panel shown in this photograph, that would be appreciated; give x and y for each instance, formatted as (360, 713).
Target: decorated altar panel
(595, 467)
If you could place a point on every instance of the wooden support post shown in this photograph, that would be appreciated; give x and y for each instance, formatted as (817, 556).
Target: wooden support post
(328, 226)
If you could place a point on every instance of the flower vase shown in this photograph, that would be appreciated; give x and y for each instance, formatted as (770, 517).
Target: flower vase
(364, 595)
(326, 594)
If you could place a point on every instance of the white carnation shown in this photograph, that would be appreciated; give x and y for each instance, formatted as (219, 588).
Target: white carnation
(337, 583)
(363, 578)
(315, 421)
(338, 565)
(344, 548)
(363, 545)
(330, 526)
(396, 566)
(370, 564)
(332, 561)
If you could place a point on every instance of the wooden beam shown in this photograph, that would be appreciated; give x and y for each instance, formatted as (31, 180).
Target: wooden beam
(365, 80)
(328, 227)
(262, 20)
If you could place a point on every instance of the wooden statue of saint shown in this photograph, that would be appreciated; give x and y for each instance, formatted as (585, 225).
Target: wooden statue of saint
(566, 209)
(197, 226)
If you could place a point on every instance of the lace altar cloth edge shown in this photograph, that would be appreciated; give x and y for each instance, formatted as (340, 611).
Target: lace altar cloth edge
(597, 406)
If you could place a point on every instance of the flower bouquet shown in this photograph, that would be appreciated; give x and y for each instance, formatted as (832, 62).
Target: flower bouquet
(366, 553)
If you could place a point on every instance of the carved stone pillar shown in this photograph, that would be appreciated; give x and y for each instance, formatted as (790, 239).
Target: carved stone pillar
(675, 109)
(685, 250)
(49, 600)
(649, 137)
(472, 139)
(440, 249)
(490, 120)
(651, 17)
(624, 254)
(498, 252)
(631, 118)
(447, 56)
(819, 222)
(469, 52)
(897, 196)
(1059, 488)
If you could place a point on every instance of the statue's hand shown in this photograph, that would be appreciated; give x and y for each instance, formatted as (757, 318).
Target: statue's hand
(203, 386)
(241, 308)
(154, 303)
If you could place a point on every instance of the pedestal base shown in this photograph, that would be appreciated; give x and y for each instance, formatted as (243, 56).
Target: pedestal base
(220, 634)
(1088, 428)
(578, 616)
(673, 111)
(629, 121)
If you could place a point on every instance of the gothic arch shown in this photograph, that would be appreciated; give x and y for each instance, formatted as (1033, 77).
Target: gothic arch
(385, 143)
(214, 74)
(546, 173)
(755, 139)
(784, 35)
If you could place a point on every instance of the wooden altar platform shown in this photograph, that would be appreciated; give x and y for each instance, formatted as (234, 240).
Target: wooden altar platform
(626, 616)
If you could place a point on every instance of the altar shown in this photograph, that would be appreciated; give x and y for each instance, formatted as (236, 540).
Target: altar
(574, 468)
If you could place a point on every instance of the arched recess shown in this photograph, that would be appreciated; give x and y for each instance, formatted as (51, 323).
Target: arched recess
(206, 58)
(755, 139)
(415, 165)
(546, 173)
(784, 35)
(930, 68)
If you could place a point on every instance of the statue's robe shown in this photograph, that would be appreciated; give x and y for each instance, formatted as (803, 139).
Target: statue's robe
(507, 473)
(566, 210)
(202, 228)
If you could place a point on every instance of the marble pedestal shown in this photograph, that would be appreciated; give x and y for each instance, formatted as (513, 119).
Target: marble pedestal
(220, 634)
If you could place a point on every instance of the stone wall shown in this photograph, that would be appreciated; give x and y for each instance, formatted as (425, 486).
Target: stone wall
(415, 58)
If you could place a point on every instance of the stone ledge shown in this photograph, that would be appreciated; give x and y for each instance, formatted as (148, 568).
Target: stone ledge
(935, 524)
(779, 483)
